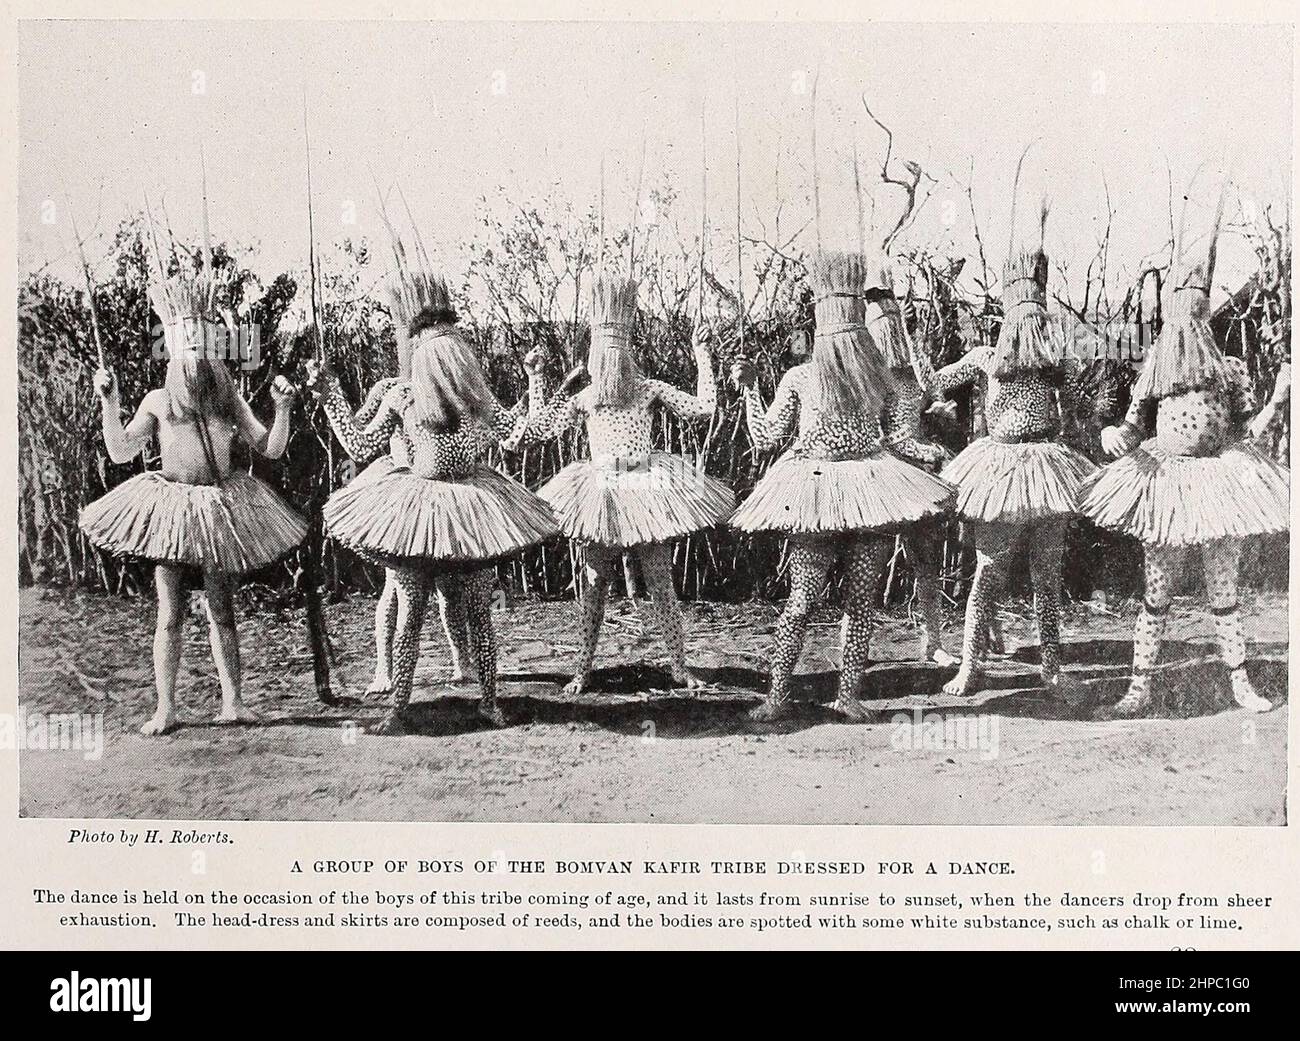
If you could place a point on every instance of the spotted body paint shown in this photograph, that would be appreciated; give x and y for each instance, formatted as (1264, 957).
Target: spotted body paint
(436, 455)
(616, 434)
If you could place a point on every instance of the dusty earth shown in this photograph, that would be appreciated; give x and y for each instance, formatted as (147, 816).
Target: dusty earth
(632, 750)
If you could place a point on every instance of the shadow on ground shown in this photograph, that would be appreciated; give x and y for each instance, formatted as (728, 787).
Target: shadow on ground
(639, 698)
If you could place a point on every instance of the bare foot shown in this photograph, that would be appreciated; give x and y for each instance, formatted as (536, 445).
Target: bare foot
(852, 709)
(162, 723)
(1244, 694)
(381, 684)
(394, 724)
(960, 685)
(941, 657)
(575, 686)
(236, 713)
(491, 711)
(688, 681)
(1133, 703)
(770, 711)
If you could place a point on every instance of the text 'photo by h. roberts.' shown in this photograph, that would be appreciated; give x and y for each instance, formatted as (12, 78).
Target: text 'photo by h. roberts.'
(653, 422)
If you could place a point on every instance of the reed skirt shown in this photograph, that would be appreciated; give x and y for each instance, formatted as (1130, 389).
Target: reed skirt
(815, 496)
(636, 502)
(1179, 500)
(235, 527)
(401, 519)
(1009, 483)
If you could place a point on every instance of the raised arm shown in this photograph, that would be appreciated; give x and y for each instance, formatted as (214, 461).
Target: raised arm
(270, 443)
(966, 369)
(922, 364)
(899, 424)
(548, 419)
(700, 405)
(510, 424)
(124, 444)
(1241, 391)
(374, 398)
(1277, 403)
(364, 443)
(769, 427)
(1126, 436)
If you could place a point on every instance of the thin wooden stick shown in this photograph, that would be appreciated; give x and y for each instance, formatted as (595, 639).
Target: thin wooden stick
(423, 254)
(817, 202)
(740, 267)
(1015, 190)
(600, 249)
(85, 271)
(704, 204)
(207, 235)
(311, 237)
(312, 556)
(857, 187)
(636, 210)
(153, 237)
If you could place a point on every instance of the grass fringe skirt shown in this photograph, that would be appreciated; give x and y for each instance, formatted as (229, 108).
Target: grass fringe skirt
(235, 527)
(654, 500)
(1008, 483)
(399, 518)
(817, 496)
(1179, 500)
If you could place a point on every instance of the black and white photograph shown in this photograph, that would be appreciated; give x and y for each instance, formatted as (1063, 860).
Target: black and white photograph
(653, 422)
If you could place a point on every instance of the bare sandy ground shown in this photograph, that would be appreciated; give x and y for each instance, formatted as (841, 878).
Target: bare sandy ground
(632, 750)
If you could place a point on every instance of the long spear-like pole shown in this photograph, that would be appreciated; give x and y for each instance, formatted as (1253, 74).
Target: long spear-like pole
(311, 239)
(817, 201)
(600, 248)
(90, 286)
(207, 234)
(636, 210)
(317, 633)
(740, 267)
(857, 187)
(704, 205)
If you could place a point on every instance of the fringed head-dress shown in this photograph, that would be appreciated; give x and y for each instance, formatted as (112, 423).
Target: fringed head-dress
(1020, 471)
(1195, 481)
(194, 511)
(838, 476)
(445, 505)
(628, 494)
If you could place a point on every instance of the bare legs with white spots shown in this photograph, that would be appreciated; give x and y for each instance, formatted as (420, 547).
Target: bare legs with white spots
(995, 544)
(453, 627)
(467, 592)
(925, 547)
(598, 571)
(811, 560)
(1220, 561)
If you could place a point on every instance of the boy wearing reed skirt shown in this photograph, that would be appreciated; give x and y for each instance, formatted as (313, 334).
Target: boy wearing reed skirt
(904, 436)
(838, 493)
(627, 497)
(195, 512)
(445, 520)
(1195, 483)
(1017, 486)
